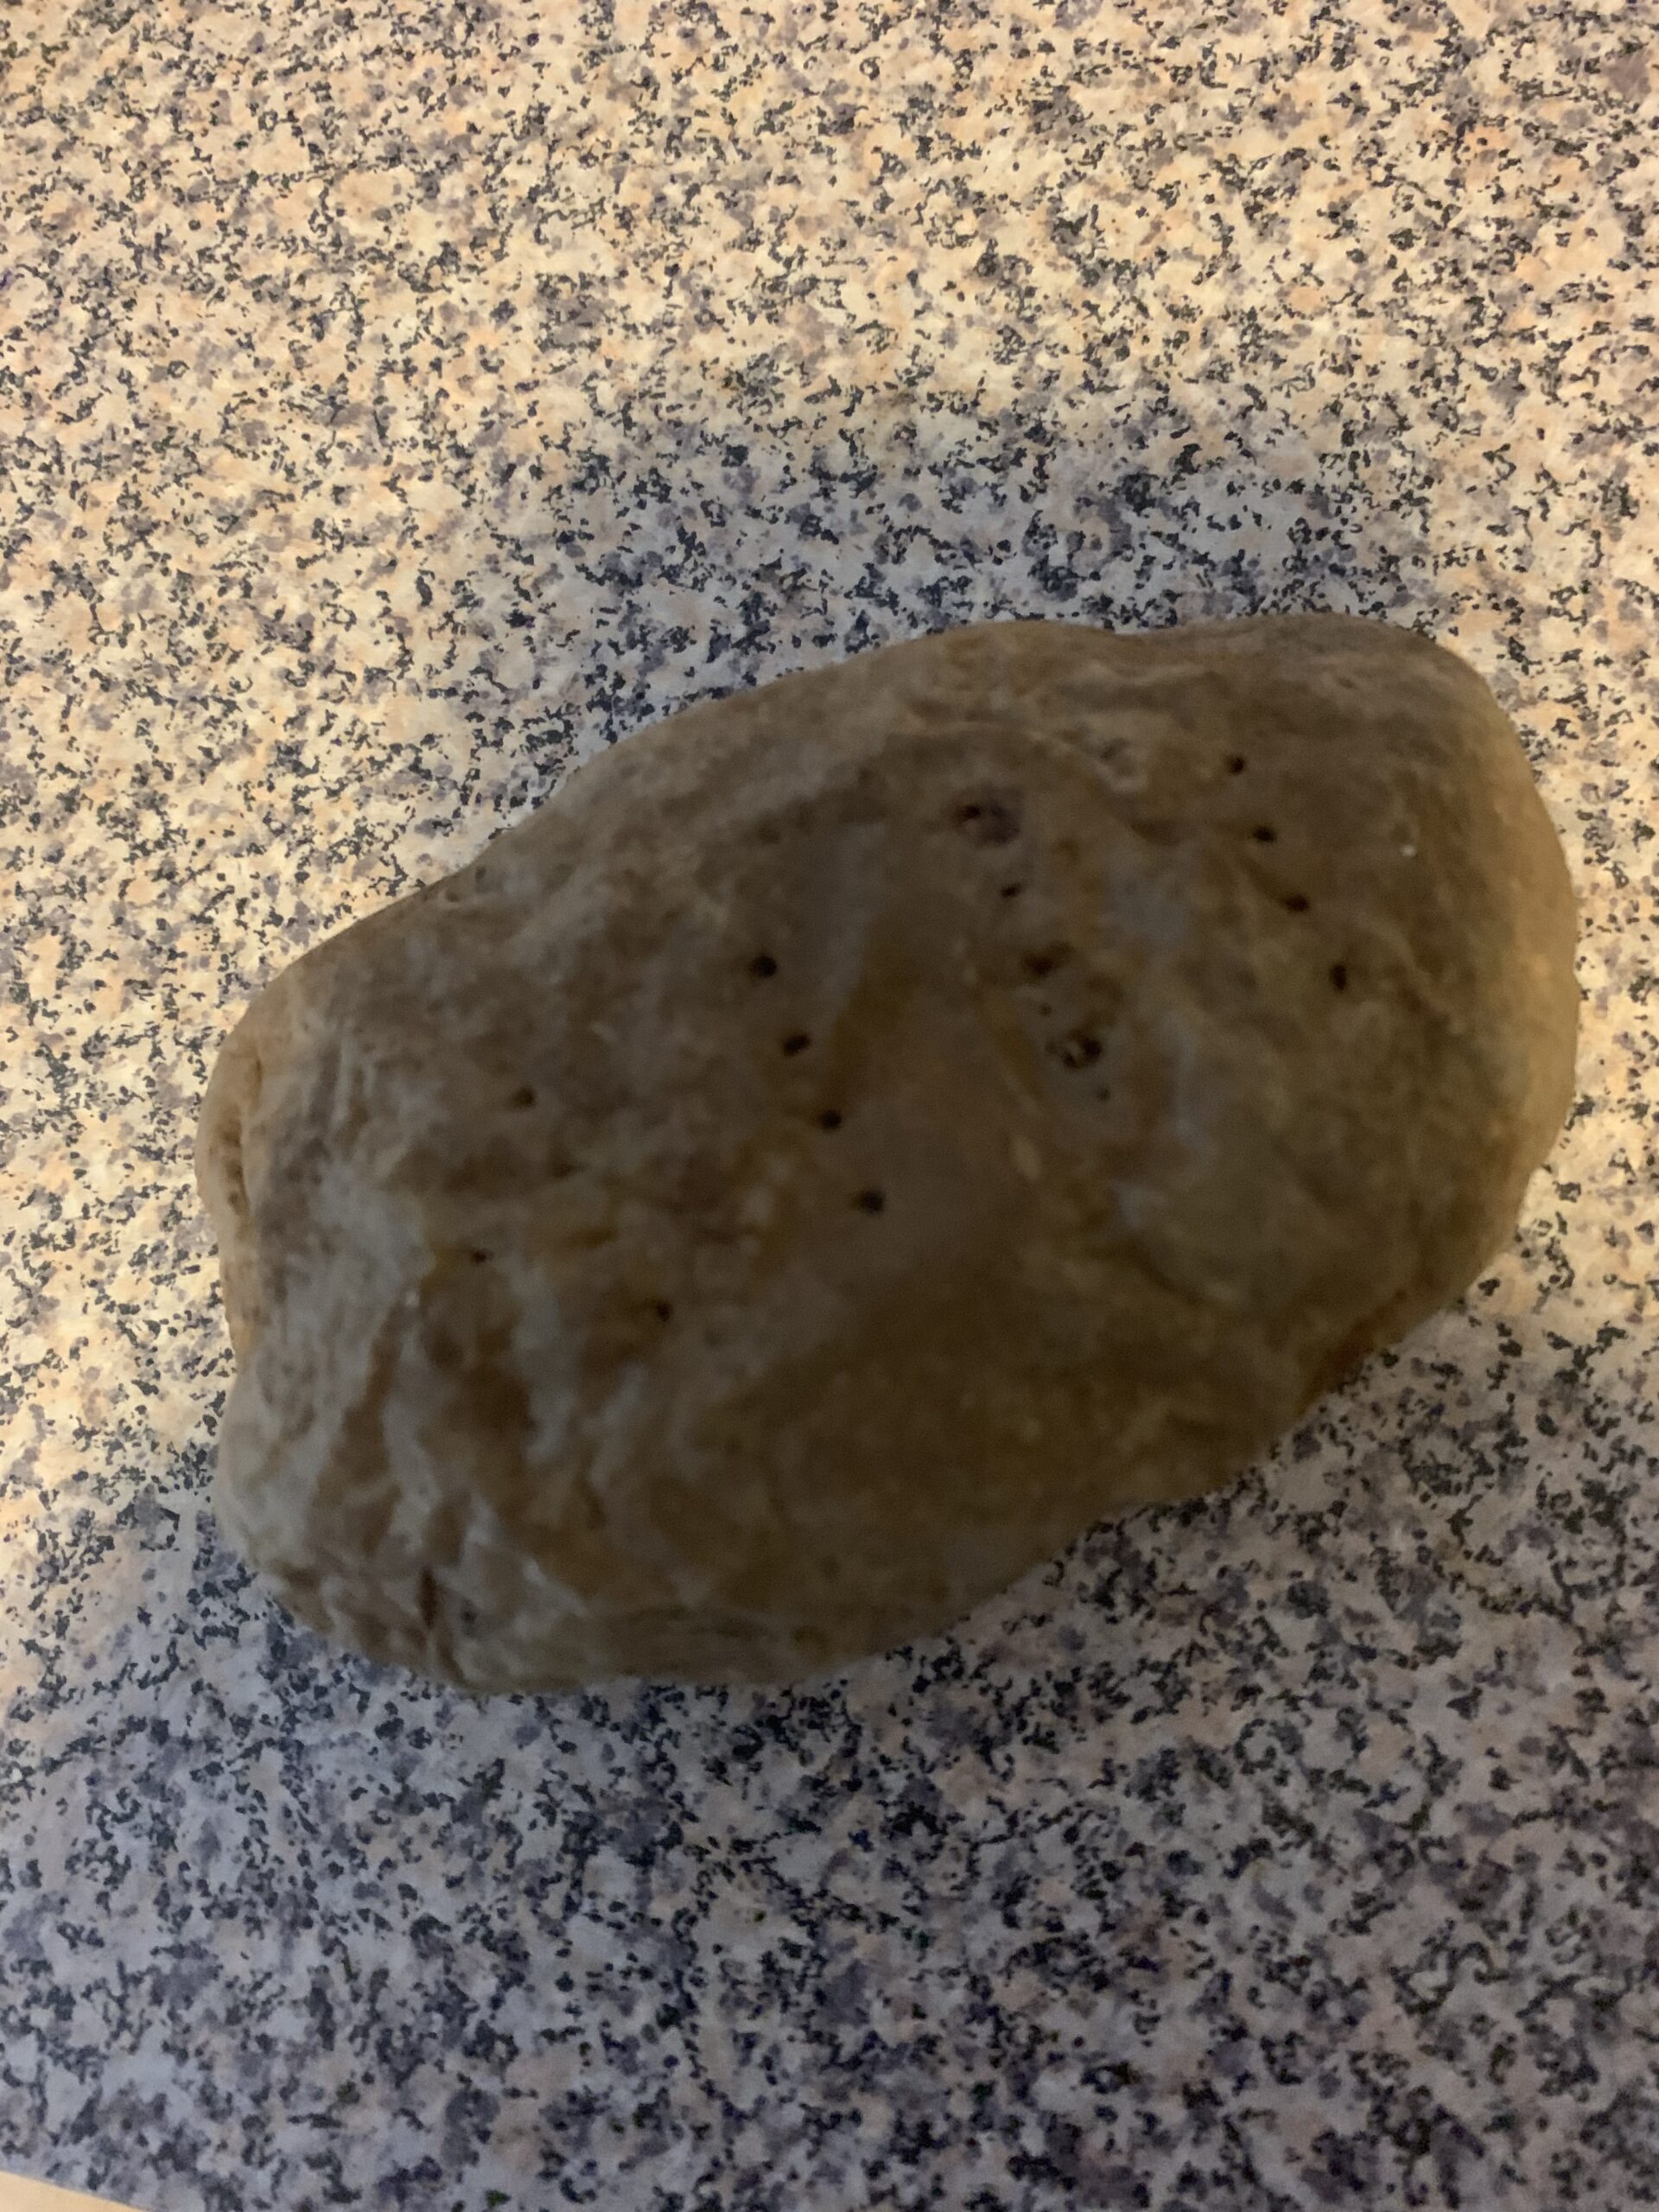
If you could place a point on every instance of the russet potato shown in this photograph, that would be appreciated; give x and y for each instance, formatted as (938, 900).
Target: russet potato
(862, 1131)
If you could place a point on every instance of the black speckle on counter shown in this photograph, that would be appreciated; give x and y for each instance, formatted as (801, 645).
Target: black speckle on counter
(396, 407)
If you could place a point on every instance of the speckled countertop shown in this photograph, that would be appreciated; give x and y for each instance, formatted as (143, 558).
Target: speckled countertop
(396, 403)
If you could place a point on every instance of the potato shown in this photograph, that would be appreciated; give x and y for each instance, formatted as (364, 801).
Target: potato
(862, 1131)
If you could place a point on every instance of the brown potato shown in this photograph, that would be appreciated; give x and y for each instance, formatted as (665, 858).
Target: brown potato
(862, 1131)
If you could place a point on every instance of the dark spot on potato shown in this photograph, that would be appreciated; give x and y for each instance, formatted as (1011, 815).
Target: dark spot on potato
(797, 1041)
(522, 1097)
(1264, 834)
(235, 1175)
(990, 818)
(1296, 903)
(1235, 764)
(478, 1258)
(1046, 962)
(1340, 977)
(763, 965)
(829, 1119)
(1080, 1049)
(428, 1597)
(1011, 890)
(663, 1310)
(871, 1201)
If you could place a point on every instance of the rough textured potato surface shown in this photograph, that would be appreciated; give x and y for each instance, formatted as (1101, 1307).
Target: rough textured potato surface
(862, 1131)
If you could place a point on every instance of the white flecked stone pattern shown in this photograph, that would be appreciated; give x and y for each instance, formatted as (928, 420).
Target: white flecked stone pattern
(399, 402)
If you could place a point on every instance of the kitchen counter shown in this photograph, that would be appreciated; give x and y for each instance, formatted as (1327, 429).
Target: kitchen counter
(397, 404)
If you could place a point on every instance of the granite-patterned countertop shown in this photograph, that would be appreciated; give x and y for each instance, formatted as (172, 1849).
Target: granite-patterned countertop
(397, 403)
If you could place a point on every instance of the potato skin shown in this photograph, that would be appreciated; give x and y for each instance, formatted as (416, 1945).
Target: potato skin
(859, 1132)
